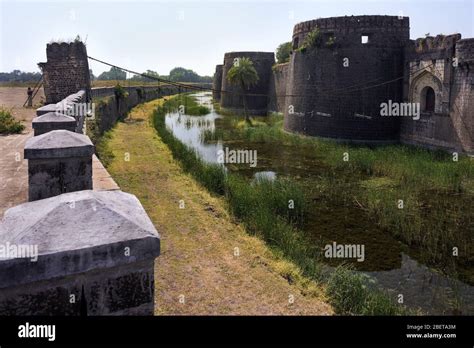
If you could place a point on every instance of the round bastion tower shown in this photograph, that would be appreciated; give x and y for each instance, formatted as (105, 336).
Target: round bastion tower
(257, 95)
(338, 79)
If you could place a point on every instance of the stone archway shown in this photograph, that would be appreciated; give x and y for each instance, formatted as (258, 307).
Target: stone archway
(427, 99)
(426, 89)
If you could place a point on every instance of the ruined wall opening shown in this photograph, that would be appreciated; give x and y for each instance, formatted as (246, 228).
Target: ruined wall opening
(428, 99)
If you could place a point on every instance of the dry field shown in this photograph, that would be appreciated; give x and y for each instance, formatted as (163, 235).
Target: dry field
(13, 167)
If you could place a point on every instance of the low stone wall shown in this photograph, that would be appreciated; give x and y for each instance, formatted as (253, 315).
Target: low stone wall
(71, 250)
(74, 105)
(109, 110)
(100, 92)
(94, 254)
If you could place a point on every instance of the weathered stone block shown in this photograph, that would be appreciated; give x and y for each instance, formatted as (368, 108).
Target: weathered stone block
(58, 161)
(96, 247)
(47, 109)
(53, 121)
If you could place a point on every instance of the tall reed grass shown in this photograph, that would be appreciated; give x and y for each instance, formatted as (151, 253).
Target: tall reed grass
(273, 210)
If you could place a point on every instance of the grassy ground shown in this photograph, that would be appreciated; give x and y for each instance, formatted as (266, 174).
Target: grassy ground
(437, 192)
(209, 264)
(263, 207)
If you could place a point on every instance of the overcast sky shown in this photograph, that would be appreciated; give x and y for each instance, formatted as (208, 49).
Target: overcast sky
(160, 35)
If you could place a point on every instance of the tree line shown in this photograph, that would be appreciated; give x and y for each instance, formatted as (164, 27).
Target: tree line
(177, 74)
(19, 76)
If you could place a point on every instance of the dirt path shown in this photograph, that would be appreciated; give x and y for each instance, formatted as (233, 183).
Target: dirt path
(13, 167)
(209, 265)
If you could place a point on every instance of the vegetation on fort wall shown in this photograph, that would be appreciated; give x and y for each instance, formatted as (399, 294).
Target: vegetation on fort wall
(8, 124)
(262, 206)
(315, 39)
(283, 52)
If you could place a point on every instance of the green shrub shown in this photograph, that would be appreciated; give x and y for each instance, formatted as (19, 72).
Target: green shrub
(8, 124)
(312, 40)
(283, 52)
(120, 92)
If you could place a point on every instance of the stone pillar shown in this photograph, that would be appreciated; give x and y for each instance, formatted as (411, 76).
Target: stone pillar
(74, 105)
(96, 246)
(53, 121)
(66, 70)
(58, 161)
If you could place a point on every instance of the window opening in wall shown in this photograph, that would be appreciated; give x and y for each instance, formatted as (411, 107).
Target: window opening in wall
(428, 99)
(365, 39)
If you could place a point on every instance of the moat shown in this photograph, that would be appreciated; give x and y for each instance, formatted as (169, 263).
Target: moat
(396, 267)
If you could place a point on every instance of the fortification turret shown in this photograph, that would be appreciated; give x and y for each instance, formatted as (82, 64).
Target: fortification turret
(231, 95)
(66, 71)
(338, 79)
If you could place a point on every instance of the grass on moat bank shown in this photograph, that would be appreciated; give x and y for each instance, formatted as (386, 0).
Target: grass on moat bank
(423, 198)
(263, 208)
(186, 104)
(208, 263)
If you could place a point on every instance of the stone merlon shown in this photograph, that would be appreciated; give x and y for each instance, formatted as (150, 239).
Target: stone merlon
(59, 144)
(53, 121)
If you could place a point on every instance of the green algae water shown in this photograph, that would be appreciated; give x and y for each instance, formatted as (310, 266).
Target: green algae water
(346, 208)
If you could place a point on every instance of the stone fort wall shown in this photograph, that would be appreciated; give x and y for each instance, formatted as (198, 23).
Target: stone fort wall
(322, 100)
(336, 89)
(441, 63)
(277, 88)
(257, 99)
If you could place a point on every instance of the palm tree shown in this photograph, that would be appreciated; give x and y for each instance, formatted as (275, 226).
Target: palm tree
(244, 75)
